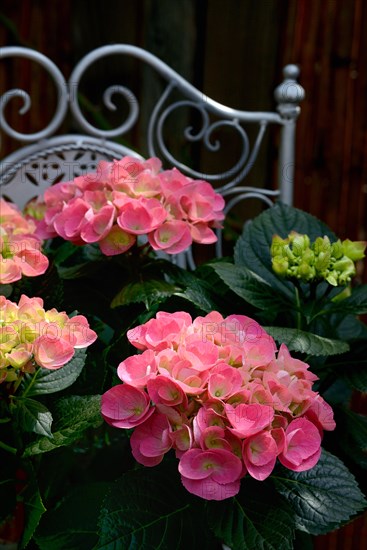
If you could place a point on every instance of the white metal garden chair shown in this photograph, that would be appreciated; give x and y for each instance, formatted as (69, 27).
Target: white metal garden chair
(47, 156)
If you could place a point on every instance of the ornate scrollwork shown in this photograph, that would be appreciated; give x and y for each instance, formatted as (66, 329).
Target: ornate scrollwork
(212, 116)
(30, 171)
(62, 96)
(240, 194)
(124, 92)
(204, 134)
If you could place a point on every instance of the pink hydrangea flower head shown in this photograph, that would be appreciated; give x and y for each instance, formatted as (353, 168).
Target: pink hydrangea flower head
(192, 381)
(201, 233)
(278, 435)
(224, 381)
(33, 338)
(125, 406)
(9, 271)
(206, 418)
(302, 446)
(28, 256)
(214, 437)
(116, 241)
(165, 331)
(247, 420)
(141, 216)
(151, 440)
(147, 185)
(52, 353)
(124, 170)
(182, 439)
(173, 181)
(136, 178)
(8, 311)
(20, 248)
(69, 222)
(136, 370)
(294, 366)
(212, 474)
(19, 357)
(170, 209)
(166, 391)
(321, 414)
(200, 203)
(259, 454)
(201, 355)
(213, 390)
(172, 237)
(60, 193)
(76, 331)
(30, 309)
(97, 224)
(209, 328)
(12, 220)
(259, 353)
(275, 392)
(9, 336)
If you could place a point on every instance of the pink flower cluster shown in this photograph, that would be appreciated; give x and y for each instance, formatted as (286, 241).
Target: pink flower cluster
(127, 198)
(217, 391)
(31, 337)
(20, 248)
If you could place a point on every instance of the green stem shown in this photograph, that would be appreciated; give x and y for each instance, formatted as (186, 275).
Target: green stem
(313, 292)
(298, 309)
(18, 382)
(6, 447)
(31, 383)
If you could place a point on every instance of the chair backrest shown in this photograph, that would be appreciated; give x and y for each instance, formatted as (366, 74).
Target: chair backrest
(46, 156)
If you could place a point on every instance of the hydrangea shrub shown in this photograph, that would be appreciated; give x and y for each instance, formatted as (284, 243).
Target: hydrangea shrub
(218, 392)
(127, 198)
(33, 338)
(20, 248)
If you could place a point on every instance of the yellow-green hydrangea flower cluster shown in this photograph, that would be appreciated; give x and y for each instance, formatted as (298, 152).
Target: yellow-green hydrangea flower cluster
(334, 262)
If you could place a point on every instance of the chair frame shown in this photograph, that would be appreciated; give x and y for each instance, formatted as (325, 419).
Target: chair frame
(32, 163)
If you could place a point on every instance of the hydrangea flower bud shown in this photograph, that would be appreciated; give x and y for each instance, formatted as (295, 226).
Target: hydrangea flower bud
(280, 265)
(354, 250)
(337, 250)
(277, 245)
(296, 257)
(300, 243)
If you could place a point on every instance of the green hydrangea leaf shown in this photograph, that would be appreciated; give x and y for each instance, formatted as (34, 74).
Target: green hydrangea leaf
(252, 249)
(51, 381)
(72, 416)
(306, 342)
(73, 523)
(193, 287)
(6, 290)
(148, 509)
(33, 416)
(323, 498)
(356, 376)
(249, 286)
(148, 292)
(256, 518)
(33, 506)
(198, 294)
(351, 434)
(356, 303)
(351, 328)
